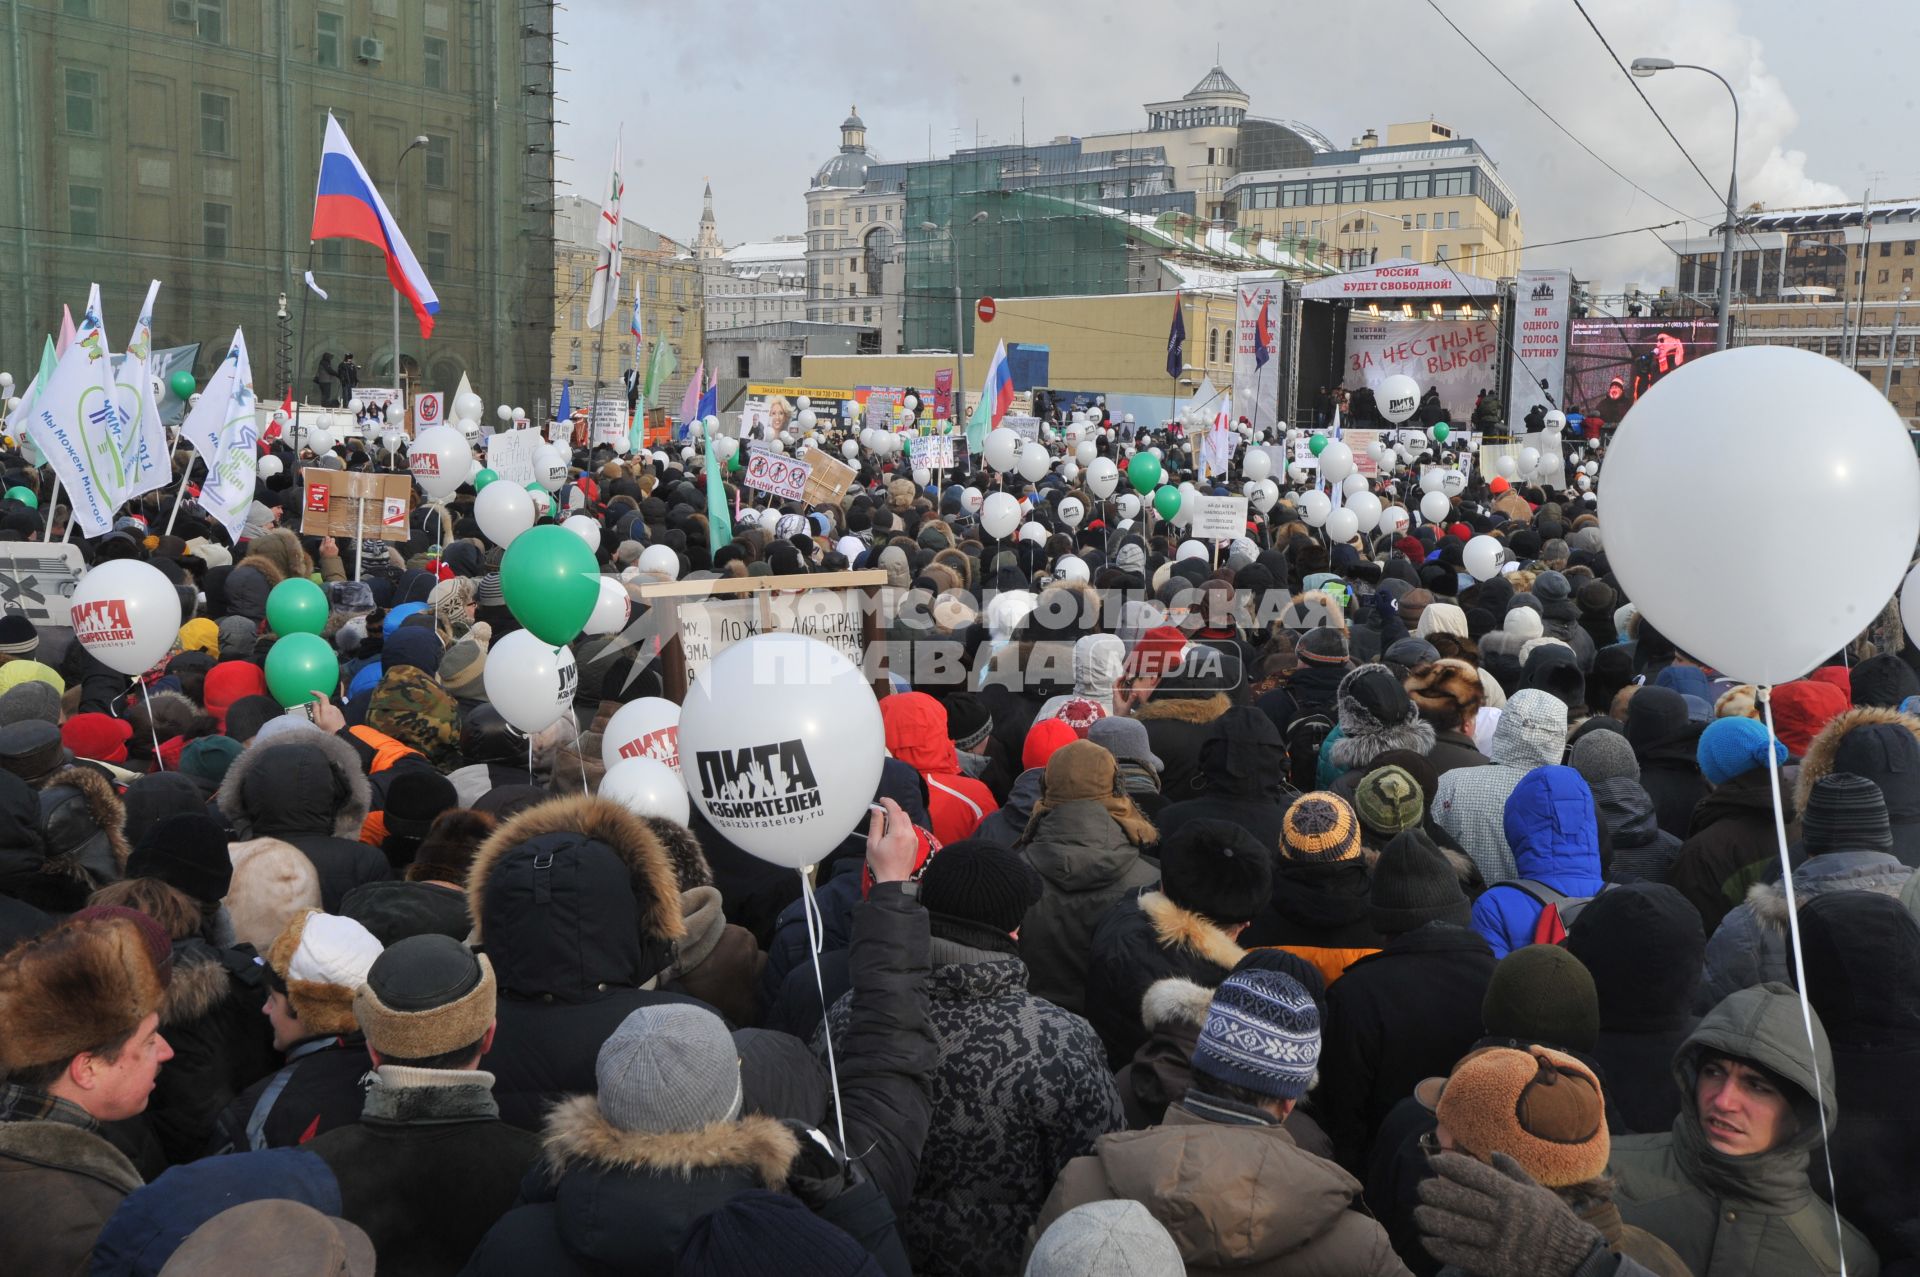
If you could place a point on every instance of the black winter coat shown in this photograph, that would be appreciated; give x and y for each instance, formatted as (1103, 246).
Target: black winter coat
(1311, 689)
(307, 788)
(1672, 779)
(1730, 847)
(1242, 777)
(1401, 1015)
(399, 1166)
(1176, 728)
(1319, 912)
(1142, 940)
(1642, 851)
(325, 1087)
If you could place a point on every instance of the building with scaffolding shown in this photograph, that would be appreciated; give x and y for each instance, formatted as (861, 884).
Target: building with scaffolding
(179, 140)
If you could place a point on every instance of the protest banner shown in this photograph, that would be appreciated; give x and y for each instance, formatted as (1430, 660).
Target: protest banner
(1218, 518)
(355, 504)
(1458, 357)
(837, 608)
(1025, 427)
(510, 455)
(938, 452)
(428, 410)
(226, 430)
(37, 581)
(73, 419)
(828, 480)
(777, 474)
(145, 457)
(1537, 371)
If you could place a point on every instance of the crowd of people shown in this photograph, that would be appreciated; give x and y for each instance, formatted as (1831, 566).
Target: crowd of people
(1289, 908)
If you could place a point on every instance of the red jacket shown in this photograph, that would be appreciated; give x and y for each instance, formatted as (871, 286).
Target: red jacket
(917, 736)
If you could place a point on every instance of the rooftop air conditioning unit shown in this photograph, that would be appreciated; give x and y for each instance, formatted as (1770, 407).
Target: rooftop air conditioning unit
(370, 49)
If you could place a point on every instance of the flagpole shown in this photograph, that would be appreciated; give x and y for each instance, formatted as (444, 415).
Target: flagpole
(299, 371)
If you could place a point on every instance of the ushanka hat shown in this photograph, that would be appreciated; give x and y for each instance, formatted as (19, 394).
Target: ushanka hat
(320, 960)
(1540, 1107)
(426, 995)
(83, 986)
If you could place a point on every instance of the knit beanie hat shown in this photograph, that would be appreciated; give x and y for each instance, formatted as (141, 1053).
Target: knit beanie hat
(1605, 755)
(975, 887)
(32, 699)
(209, 758)
(1114, 1238)
(273, 882)
(101, 737)
(18, 635)
(1540, 1107)
(1541, 993)
(415, 798)
(1388, 800)
(669, 1068)
(1126, 739)
(968, 721)
(188, 851)
(1319, 828)
(426, 995)
(1263, 1033)
(1213, 868)
(1322, 646)
(1883, 681)
(1043, 738)
(462, 665)
(1845, 812)
(1732, 747)
(1413, 884)
(757, 1232)
(321, 960)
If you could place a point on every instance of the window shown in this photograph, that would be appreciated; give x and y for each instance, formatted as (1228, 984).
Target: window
(1906, 249)
(433, 55)
(1886, 248)
(741, 367)
(793, 365)
(1325, 192)
(1384, 188)
(77, 8)
(216, 118)
(1453, 221)
(866, 314)
(439, 162)
(1440, 253)
(1293, 195)
(577, 316)
(1209, 155)
(1896, 376)
(83, 102)
(1416, 186)
(329, 34)
(1353, 190)
(678, 324)
(439, 249)
(83, 212)
(1906, 274)
(1213, 345)
(1883, 277)
(853, 265)
(1420, 221)
(210, 20)
(1406, 250)
(216, 230)
(1456, 183)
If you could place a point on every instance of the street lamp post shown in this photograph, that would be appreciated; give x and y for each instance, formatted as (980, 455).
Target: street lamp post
(410, 147)
(1644, 67)
(959, 313)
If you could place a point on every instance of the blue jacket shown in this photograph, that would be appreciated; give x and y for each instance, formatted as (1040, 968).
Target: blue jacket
(153, 1221)
(1555, 838)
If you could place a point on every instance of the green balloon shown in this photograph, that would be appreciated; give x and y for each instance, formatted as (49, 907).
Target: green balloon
(181, 384)
(25, 496)
(1440, 432)
(1143, 472)
(482, 479)
(1317, 445)
(1167, 502)
(297, 606)
(300, 665)
(551, 581)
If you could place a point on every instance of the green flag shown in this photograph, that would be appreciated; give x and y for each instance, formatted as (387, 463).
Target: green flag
(31, 395)
(660, 371)
(979, 424)
(719, 521)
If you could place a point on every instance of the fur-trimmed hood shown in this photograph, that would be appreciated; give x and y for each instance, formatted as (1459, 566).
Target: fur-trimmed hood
(572, 897)
(310, 783)
(684, 852)
(1886, 766)
(85, 826)
(1175, 1002)
(1185, 709)
(578, 1133)
(198, 984)
(1177, 928)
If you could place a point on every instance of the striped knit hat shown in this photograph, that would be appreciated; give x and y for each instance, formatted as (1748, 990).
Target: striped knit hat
(1263, 1033)
(1845, 812)
(1388, 800)
(1319, 829)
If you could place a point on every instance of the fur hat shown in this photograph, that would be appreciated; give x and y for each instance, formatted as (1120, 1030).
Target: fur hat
(426, 995)
(323, 959)
(80, 987)
(273, 883)
(1446, 692)
(1376, 715)
(1540, 1107)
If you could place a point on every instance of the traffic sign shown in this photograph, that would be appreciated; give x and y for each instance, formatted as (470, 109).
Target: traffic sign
(985, 309)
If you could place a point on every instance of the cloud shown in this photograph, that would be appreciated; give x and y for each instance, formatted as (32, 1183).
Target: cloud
(751, 96)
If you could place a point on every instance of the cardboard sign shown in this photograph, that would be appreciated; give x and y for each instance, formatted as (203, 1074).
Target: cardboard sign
(37, 581)
(1218, 518)
(939, 452)
(828, 478)
(354, 504)
(777, 474)
(510, 455)
(427, 410)
(1025, 427)
(710, 625)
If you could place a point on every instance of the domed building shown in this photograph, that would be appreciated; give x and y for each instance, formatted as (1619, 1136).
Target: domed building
(854, 209)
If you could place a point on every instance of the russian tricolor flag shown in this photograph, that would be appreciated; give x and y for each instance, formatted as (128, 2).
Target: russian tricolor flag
(346, 206)
(998, 390)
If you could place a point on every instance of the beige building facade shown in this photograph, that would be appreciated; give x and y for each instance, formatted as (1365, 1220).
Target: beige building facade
(672, 307)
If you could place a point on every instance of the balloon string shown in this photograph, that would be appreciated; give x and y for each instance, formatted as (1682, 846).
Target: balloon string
(816, 940)
(1800, 971)
(153, 727)
(578, 753)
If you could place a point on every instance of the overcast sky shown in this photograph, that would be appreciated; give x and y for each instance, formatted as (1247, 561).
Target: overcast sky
(750, 95)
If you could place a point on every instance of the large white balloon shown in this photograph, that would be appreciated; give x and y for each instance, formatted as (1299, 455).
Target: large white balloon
(970, 499)
(1071, 567)
(1262, 493)
(1434, 506)
(1453, 482)
(1257, 465)
(1433, 479)
(1336, 461)
(1033, 532)
(1366, 508)
(587, 529)
(850, 449)
(1507, 467)
(661, 560)
(549, 467)
(1556, 421)
(530, 683)
(1071, 511)
(439, 459)
(269, 466)
(1003, 448)
(1529, 462)
(1085, 451)
(999, 515)
(503, 511)
(647, 787)
(1398, 397)
(1342, 525)
(1034, 462)
(645, 728)
(1483, 557)
(1315, 506)
(611, 609)
(1354, 484)
(781, 744)
(1740, 416)
(1103, 476)
(1128, 504)
(127, 614)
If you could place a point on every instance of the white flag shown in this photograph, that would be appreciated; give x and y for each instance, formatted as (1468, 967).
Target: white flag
(143, 436)
(223, 427)
(74, 420)
(606, 272)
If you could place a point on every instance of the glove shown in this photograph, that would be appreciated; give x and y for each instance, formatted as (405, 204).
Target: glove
(1495, 1221)
(820, 1172)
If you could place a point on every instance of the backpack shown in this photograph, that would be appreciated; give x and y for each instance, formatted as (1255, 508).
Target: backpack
(1305, 735)
(1557, 911)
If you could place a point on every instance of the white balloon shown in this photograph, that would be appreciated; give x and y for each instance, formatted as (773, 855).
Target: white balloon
(503, 511)
(1262, 493)
(1378, 451)
(1003, 449)
(1071, 567)
(1592, 468)
(1434, 506)
(1158, 455)
(970, 499)
(439, 459)
(1192, 550)
(269, 466)
(1739, 416)
(1103, 476)
(1453, 483)
(922, 476)
(503, 412)
(1315, 506)
(1342, 525)
(724, 446)
(1033, 532)
(320, 440)
(999, 515)
(530, 683)
(1556, 421)
(586, 529)
(776, 445)
(356, 406)
(1433, 479)
(802, 402)
(782, 743)
(1392, 520)
(1507, 467)
(1096, 415)
(1034, 462)
(1529, 462)
(850, 449)
(1085, 451)
(1398, 397)
(127, 614)
(1296, 473)
(468, 405)
(1354, 484)
(549, 467)
(1582, 482)
(6, 380)
(611, 609)
(1069, 470)
(1071, 511)
(646, 787)
(906, 418)
(1257, 465)
(1128, 505)
(1366, 510)
(1483, 557)
(519, 413)
(1336, 461)
(661, 560)
(807, 419)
